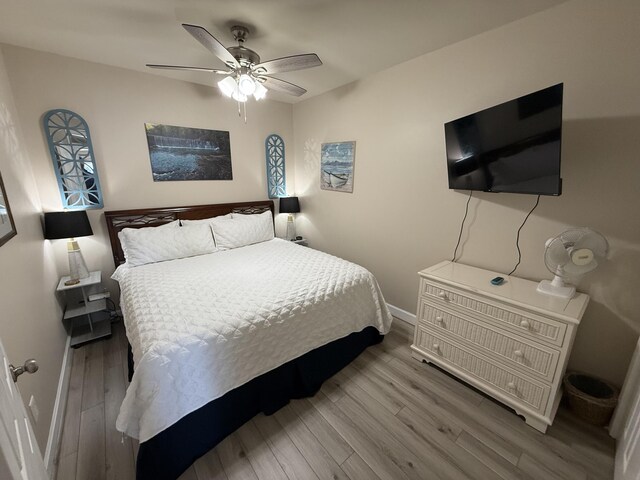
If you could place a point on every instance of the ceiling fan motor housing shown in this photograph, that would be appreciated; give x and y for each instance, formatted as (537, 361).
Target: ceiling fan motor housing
(245, 56)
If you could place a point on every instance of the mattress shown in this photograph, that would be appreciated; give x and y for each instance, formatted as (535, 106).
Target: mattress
(202, 326)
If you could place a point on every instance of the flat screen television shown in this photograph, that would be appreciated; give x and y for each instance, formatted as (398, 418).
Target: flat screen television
(513, 147)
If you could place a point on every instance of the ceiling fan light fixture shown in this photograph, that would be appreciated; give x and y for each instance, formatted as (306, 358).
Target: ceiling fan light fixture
(260, 91)
(246, 84)
(238, 96)
(227, 86)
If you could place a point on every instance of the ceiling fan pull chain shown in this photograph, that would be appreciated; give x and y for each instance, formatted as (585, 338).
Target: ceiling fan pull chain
(244, 107)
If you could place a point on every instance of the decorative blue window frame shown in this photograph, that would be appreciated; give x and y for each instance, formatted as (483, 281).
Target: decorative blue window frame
(276, 179)
(73, 160)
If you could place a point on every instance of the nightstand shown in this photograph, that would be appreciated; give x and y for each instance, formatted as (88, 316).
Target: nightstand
(86, 309)
(302, 241)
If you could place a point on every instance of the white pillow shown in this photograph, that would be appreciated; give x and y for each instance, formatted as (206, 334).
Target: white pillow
(185, 223)
(123, 243)
(150, 245)
(241, 230)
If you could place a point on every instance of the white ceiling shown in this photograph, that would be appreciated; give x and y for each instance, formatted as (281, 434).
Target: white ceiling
(352, 37)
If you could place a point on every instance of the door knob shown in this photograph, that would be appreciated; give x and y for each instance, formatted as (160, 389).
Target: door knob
(30, 366)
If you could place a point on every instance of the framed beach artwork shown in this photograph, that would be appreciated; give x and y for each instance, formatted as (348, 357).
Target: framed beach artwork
(336, 166)
(182, 153)
(7, 227)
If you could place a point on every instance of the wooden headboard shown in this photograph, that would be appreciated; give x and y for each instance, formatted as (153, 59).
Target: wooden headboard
(152, 217)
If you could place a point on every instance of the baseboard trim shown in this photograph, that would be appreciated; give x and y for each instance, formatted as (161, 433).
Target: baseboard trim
(402, 314)
(55, 431)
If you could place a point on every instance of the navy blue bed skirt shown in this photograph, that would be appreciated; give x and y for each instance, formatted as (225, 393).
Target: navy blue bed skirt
(172, 451)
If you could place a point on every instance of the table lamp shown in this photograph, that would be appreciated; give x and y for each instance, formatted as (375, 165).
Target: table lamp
(290, 205)
(70, 224)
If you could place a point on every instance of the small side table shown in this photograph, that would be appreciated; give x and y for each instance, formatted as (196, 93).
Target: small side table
(86, 299)
(302, 241)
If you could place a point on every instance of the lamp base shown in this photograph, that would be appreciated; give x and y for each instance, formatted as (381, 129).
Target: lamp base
(77, 266)
(291, 228)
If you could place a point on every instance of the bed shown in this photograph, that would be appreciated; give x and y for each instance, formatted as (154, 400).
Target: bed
(217, 338)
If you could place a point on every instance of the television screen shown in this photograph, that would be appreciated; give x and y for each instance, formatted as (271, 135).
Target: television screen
(513, 147)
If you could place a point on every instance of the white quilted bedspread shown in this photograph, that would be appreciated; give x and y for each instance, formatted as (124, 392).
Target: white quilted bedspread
(201, 326)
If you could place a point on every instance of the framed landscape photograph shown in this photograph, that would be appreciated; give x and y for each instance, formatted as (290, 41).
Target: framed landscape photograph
(336, 166)
(182, 153)
(7, 227)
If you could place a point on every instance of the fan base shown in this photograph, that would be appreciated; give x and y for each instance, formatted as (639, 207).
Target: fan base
(547, 288)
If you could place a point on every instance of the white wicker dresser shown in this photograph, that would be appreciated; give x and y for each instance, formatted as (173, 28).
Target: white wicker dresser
(509, 341)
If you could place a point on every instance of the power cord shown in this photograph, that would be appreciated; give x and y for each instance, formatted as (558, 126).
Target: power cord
(466, 211)
(518, 236)
(113, 311)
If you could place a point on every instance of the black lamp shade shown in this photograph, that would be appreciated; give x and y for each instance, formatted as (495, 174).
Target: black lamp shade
(289, 205)
(66, 225)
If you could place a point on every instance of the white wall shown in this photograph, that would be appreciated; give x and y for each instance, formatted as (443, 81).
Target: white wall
(401, 216)
(116, 103)
(30, 315)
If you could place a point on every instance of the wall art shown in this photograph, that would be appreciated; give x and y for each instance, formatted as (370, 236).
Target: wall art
(336, 166)
(73, 160)
(182, 153)
(276, 179)
(7, 227)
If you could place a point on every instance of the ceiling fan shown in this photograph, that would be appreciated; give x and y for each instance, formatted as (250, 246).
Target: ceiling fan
(246, 75)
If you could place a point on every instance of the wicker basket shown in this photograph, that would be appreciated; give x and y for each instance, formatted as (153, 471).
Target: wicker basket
(591, 398)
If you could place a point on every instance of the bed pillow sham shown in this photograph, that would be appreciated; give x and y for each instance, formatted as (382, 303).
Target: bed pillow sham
(241, 230)
(159, 244)
(123, 243)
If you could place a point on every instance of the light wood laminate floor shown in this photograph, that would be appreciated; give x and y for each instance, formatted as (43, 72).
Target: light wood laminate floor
(385, 416)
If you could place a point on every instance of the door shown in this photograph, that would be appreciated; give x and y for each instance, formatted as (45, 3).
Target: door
(625, 426)
(628, 447)
(20, 457)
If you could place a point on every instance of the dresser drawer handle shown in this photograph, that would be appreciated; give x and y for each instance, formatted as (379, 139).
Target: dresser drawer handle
(525, 324)
(436, 347)
(443, 295)
(511, 386)
(439, 319)
(518, 353)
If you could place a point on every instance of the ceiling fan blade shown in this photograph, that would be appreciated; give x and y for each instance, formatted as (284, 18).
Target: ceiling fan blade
(194, 69)
(212, 44)
(284, 87)
(288, 64)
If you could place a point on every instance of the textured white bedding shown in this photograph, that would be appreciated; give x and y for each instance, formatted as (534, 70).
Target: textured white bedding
(202, 326)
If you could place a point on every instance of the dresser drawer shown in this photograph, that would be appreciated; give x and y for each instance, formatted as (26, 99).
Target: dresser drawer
(518, 388)
(530, 357)
(526, 324)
